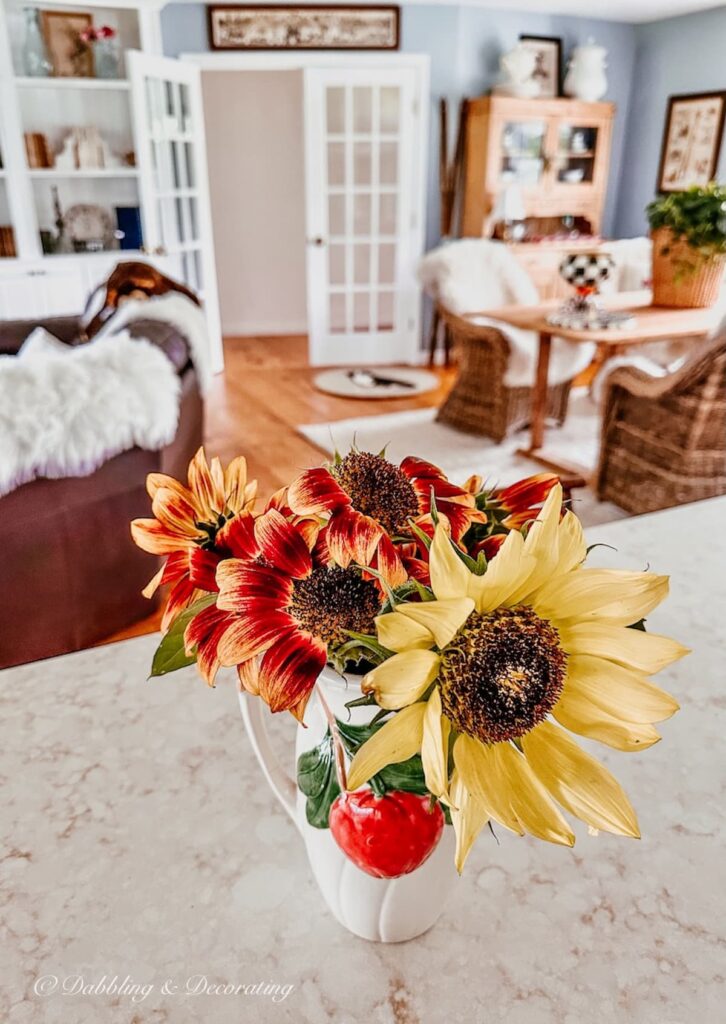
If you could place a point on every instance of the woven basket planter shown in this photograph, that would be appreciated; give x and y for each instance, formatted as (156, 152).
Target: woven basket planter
(675, 284)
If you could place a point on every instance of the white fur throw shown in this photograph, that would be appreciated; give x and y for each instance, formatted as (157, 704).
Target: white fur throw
(179, 311)
(475, 274)
(64, 411)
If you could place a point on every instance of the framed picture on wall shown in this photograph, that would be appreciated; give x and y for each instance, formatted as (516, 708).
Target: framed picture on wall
(69, 56)
(296, 27)
(547, 72)
(691, 140)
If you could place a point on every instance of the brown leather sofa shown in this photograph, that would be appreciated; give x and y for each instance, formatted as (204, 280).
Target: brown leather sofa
(70, 574)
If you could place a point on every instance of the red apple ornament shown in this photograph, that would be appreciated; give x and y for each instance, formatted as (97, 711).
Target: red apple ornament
(386, 836)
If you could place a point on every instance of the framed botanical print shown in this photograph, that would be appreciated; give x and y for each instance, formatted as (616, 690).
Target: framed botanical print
(691, 140)
(547, 72)
(69, 55)
(303, 27)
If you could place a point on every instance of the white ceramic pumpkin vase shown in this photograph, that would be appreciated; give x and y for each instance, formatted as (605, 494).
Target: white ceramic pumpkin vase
(586, 79)
(377, 909)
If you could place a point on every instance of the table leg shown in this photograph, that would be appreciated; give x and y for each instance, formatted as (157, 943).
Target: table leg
(537, 425)
(539, 394)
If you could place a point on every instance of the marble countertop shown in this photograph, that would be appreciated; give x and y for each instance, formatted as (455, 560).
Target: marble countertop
(140, 843)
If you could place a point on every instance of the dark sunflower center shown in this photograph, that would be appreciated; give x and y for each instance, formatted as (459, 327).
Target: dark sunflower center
(331, 601)
(378, 489)
(209, 530)
(502, 674)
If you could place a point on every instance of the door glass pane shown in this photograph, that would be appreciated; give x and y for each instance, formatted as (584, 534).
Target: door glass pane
(193, 218)
(362, 167)
(191, 178)
(361, 264)
(385, 311)
(336, 264)
(175, 166)
(522, 152)
(336, 215)
(336, 313)
(387, 214)
(336, 110)
(387, 264)
(389, 113)
(361, 307)
(576, 151)
(388, 171)
(362, 109)
(362, 214)
(184, 109)
(336, 163)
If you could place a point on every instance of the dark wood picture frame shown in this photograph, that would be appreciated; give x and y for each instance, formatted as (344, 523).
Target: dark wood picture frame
(667, 152)
(556, 43)
(310, 11)
(50, 22)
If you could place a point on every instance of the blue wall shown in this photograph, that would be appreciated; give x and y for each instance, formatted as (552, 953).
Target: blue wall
(646, 64)
(678, 55)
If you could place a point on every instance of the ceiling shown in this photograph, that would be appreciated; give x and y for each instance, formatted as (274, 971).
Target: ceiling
(609, 10)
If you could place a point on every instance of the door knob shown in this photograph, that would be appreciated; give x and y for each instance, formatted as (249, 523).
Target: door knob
(317, 240)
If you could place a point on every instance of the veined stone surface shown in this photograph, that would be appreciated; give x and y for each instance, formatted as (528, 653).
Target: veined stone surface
(140, 842)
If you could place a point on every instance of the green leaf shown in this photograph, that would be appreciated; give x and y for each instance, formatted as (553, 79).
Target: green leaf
(640, 624)
(318, 782)
(169, 655)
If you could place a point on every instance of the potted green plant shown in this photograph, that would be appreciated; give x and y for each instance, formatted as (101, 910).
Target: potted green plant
(689, 246)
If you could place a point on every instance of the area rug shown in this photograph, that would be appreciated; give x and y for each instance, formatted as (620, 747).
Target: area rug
(386, 382)
(459, 455)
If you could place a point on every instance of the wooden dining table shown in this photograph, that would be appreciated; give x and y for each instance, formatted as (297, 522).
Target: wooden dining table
(651, 323)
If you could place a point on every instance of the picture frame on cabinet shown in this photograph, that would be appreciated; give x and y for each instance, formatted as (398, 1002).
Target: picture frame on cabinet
(692, 137)
(69, 56)
(303, 27)
(548, 63)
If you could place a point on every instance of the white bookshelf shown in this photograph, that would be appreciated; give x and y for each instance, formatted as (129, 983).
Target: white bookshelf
(50, 106)
(151, 119)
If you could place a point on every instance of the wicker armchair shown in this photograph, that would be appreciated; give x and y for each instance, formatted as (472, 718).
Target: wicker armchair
(664, 438)
(480, 402)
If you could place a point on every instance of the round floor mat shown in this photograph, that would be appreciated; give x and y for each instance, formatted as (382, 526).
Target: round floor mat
(375, 382)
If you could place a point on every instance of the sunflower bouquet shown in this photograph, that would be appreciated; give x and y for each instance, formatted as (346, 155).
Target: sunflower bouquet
(482, 640)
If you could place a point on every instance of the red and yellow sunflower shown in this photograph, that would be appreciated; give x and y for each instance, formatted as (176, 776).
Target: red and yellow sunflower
(371, 503)
(279, 611)
(195, 526)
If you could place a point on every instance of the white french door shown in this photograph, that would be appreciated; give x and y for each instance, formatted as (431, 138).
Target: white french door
(172, 160)
(364, 157)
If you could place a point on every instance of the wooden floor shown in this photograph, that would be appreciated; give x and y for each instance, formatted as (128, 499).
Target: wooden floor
(253, 408)
(265, 392)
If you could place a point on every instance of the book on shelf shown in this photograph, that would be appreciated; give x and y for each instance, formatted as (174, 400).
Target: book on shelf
(7, 241)
(38, 151)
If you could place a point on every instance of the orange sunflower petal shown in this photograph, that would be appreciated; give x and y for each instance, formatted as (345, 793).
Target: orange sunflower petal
(207, 486)
(249, 676)
(252, 634)
(282, 545)
(314, 492)
(289, 670)
(152, 536)
(237, 537)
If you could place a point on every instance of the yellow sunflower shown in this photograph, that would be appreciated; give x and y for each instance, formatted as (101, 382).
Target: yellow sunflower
(479, 671)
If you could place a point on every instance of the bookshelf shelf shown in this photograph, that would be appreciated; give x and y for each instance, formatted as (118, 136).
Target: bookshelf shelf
(95, 84)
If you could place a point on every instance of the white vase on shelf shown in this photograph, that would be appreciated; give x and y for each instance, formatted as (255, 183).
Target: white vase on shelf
(586, 79)
(517, 67)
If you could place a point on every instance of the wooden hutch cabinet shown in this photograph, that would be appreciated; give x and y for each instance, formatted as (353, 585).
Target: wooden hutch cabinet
(557, 152)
